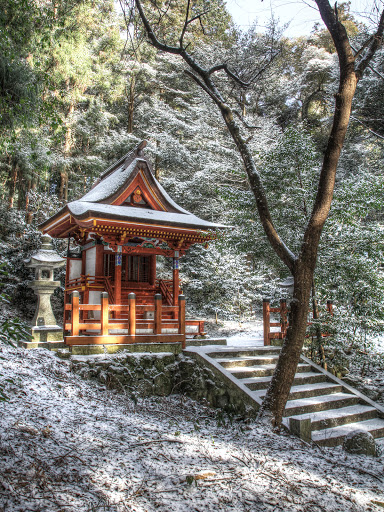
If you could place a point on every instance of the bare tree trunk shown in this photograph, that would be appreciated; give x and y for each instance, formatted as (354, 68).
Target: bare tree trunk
(157, 161)
(28, 213)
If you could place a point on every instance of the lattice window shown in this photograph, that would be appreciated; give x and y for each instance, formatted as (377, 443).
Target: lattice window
(134, 268)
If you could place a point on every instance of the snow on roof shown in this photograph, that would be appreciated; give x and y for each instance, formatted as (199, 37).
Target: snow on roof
(110, 184)
(130, 213)
(119, 174)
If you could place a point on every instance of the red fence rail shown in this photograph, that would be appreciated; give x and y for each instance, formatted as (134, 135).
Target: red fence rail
(282, 323)
(84, 328)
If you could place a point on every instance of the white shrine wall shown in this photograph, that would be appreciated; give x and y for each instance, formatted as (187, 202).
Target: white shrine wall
(90, 261)
(74, 268)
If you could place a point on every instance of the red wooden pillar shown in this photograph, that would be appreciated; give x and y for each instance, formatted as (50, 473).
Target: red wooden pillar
(75, 314)
(104, 320)
(176, 282)
(182, 318)
(83, 262)
(118, 263)
(330, 307)
(99, 264)
(132, 314)
(158, 304)
(66, 294)
(266, 321)
(153, 270)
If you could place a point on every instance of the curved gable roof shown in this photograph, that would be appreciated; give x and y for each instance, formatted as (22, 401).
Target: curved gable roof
(118, 178)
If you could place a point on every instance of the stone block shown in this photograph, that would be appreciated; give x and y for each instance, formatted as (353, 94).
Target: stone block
(301, 428)
(46, 334)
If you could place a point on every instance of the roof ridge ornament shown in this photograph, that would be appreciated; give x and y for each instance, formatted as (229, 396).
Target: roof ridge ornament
(140, 147)
(136, 152)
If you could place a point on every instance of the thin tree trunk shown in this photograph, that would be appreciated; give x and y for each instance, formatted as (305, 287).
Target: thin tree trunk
(12, 186)
(318, 333)
(68, 144)
(131, 103)
(157, 160)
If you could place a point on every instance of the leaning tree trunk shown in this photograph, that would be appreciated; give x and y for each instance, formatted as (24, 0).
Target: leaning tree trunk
(282, 379)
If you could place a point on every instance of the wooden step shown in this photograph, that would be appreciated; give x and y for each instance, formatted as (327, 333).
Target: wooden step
(244, 372)
(228, 362)
(228, 352)
(335, 436)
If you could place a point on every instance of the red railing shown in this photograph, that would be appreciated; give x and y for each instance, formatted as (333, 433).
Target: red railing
(165, 286)
(87, 281)
(282, 324)
(96, 331)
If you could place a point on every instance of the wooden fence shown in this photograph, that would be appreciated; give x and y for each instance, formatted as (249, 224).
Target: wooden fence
(85, 329)
(282, 323)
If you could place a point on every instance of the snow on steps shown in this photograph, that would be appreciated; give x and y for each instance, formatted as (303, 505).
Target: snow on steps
(333, 407)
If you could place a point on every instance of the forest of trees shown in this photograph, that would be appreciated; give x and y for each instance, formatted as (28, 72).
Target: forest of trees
(80, 86)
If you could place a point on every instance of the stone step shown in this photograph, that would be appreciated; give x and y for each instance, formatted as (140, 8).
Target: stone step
(229, 362)
(245, 372)
(335, 436)
(336, 417)
(255, 383)
(333, 411)
(232, 352)
(317, 389)
(319, 403)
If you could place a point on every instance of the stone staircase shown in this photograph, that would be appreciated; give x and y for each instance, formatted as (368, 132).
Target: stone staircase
(320, 407)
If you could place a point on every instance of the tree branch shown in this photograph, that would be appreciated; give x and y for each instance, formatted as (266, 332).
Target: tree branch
(377, 41)
(185, 24)
(247, 126)
(202, 77)
(367, 128)
(369, 66)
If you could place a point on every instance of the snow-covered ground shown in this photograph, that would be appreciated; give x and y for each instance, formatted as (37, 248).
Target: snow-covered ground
(71, 445)
(245, 334)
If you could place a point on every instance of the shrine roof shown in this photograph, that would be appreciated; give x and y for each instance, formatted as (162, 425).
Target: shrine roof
(127, 192)
(82, 209)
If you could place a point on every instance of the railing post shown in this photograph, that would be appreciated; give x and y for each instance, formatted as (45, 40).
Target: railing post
(158, 304)
(266, 321)
(283, 314)
(330, 307)
(132, 314)
(182, 319)
(104, 320)
(75, 314)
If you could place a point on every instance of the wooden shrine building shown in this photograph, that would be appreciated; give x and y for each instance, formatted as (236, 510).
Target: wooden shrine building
(112, 293)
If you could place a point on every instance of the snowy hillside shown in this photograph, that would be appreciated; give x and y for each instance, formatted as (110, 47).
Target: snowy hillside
(71, 445)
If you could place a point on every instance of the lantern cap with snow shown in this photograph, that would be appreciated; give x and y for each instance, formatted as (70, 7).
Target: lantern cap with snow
(45, 260)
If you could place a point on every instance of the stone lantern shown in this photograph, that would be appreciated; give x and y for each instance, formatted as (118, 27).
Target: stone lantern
(44, 325)
(287, 286)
